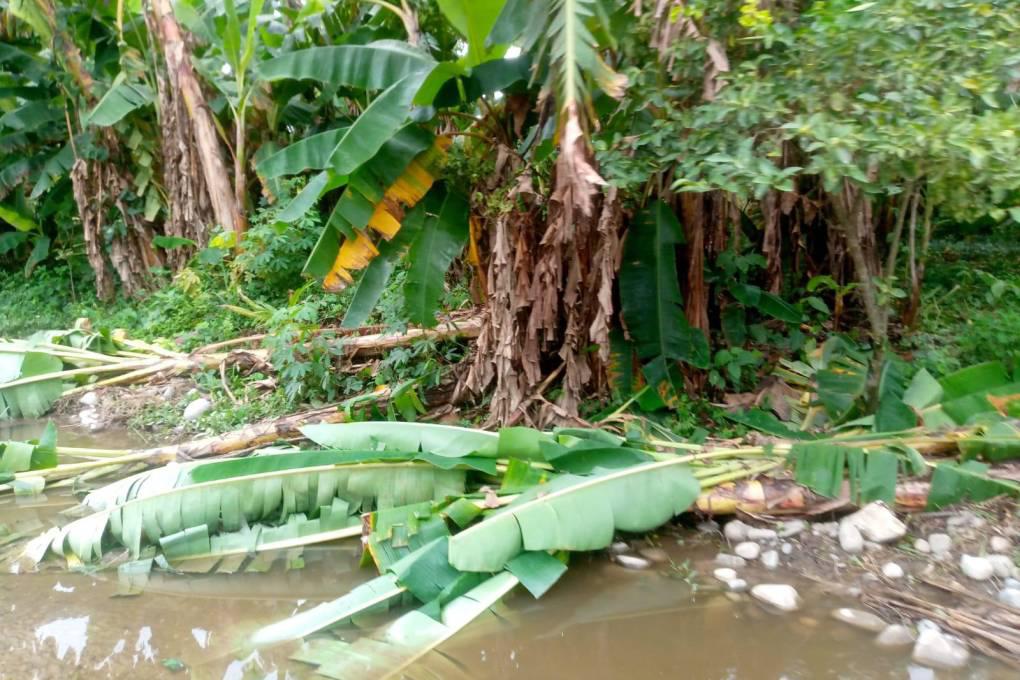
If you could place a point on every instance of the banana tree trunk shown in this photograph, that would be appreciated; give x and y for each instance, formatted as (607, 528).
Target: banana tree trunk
(183, 82)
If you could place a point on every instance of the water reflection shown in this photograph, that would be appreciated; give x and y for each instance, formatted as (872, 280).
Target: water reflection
(69, 634)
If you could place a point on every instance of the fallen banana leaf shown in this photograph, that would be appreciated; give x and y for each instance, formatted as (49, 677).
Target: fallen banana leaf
(405, 641)
(577, 513)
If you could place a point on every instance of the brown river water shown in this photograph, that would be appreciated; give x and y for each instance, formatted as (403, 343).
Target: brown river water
(600, 621)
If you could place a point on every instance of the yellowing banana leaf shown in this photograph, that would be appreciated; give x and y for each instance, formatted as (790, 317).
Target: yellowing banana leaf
(392, 650)
(577, 513)
(224, 495)
(363, 207)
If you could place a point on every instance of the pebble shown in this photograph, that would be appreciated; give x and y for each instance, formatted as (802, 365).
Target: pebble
(850, 538)
(654, 554)
(708, 526)
(892, 570)
(770, 559)
(830, 529)
(193, 392)
(877, 523)
(1000, 544)
(780, 596)
(965, 520)
(757, 534)
(922, 546)
(725, 574)
(787, 548)
(977, 568)
(195, 409)
(792, 528)
(1010, 597)
(1012, 583)
(927, 624)
(895, 635)
(619, 548)
(748, 550)
(940, 543)
(168, 393)
(632, 562)
(1002, 565)
(871, 546)
(735, 531)
(737, 585)
(89, 399)
(859, 619)
(90, 418)
(732, 561)
(920, 673)
(937, 650)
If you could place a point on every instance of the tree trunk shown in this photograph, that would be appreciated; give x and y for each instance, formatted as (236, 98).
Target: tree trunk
(183, 81)
(189, 207)
(853, 213)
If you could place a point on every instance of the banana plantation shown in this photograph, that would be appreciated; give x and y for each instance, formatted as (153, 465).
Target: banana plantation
(510, 338)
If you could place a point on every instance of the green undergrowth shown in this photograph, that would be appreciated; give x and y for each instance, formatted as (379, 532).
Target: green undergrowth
(971, 305)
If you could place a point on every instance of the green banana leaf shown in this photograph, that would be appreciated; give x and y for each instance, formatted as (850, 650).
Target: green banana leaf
(390, 651)
(376, 66)
(441, 239)
(377, 123)
(474, 20)
(224, 495)
(441, 440)
(34, 399)
(577, 513)
(380, 592)
(820, 466)
(967, 481)
(122, 98)
(309, 153)
(652, 304)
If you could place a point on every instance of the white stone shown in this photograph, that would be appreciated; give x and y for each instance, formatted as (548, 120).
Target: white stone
(708, 526)
(940, 543)
(735, 531)
(89, 399)
(737, 585)
(732, 561)
(632, 561)
(757, 534)
(871, 546)
(1010, 597)
(859, 619)
(830, 529)
(769, 559)
(780, 596)
(792, 528)
(892, 570)
(965, 520)
(1000, 544)
(725, 574)
(937, 650)
(197, 408)
(1002, 565)
(619, 548)
(748, 550)
(877, 523)
(977, 568)
(168, 393)
(1012, 583)
(654, 554)
(920, 673)
(787, 548)
(895, 635)
(850, 538)
(922, 546)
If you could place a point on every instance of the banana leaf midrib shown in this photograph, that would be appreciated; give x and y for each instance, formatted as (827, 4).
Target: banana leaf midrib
(267, 475)
(282, 544)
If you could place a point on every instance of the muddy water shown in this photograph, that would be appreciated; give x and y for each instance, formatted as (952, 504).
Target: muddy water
(600, 621)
